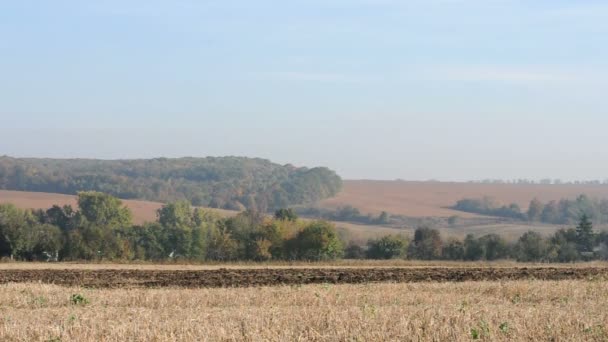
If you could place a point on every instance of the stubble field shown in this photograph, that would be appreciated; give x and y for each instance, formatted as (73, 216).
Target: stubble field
(344, 301)
(524, 310)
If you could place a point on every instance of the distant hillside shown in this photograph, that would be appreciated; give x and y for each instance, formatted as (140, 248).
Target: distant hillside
(219, 182)
(425, 199)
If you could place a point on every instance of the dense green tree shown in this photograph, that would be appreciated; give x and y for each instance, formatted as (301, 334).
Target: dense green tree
(563, 246)
(453, 250)
(39, 242)
(148, 242)
(176, 215)
(176, 218)
(531, 247)
(221, 247)
(473, 248)
(387, 247)
(535, 210)
(13, 222)
(286, 214)
(584, 235)
(103, 210)
(494, 247)
(318, 241)
(426, 245)
(61, 217)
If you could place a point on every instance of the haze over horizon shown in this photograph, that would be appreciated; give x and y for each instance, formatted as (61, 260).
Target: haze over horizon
(417, 90)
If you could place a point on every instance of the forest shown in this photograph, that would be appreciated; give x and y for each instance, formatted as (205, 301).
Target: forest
(235, 183)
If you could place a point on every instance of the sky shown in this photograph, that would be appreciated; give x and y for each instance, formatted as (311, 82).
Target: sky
(384, 89)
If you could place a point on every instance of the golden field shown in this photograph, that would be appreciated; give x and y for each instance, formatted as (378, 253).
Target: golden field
(500, 311)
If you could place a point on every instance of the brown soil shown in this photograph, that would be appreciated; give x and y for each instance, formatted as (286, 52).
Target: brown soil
(113, 278)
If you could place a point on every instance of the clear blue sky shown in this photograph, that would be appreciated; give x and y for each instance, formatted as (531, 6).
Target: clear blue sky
(384, 89)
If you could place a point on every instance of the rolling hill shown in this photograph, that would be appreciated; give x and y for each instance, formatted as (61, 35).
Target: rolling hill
(234, 183)
(432, 199)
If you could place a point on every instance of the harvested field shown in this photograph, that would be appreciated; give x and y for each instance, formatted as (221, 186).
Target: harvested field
(120, 278)
(430, 199)
(530, 310)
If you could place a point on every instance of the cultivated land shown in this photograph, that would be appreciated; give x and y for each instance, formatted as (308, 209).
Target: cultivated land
(235, 277)
(431, 199)
(524, 310)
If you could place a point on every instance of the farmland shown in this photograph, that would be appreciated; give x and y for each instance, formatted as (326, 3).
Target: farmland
(432, 199)
(520, 310)
(246, 277)
(342, 300)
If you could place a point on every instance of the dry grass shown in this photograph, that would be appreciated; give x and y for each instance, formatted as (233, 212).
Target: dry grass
(429, 199)
(526, 310)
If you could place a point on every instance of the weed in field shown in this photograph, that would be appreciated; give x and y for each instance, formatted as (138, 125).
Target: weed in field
(481, 331)
(39, 301)
(78, 299)
(516, 299)
(504, 327)
(475, 334)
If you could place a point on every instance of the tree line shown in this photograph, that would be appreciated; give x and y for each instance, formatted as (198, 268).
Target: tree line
(101, 228)
(564, 211)
(235, 183)
(565, 245)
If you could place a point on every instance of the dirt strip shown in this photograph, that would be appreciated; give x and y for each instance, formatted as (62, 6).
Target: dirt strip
(109, 278)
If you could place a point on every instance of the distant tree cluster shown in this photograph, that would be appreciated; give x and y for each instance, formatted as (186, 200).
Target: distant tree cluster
(345, 213)
(101, 229)
(566, 245)
(487, 206)
(564, 211)
(567, 211)
(224, 182)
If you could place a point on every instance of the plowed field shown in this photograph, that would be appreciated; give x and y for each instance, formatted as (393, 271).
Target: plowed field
(113, 278)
